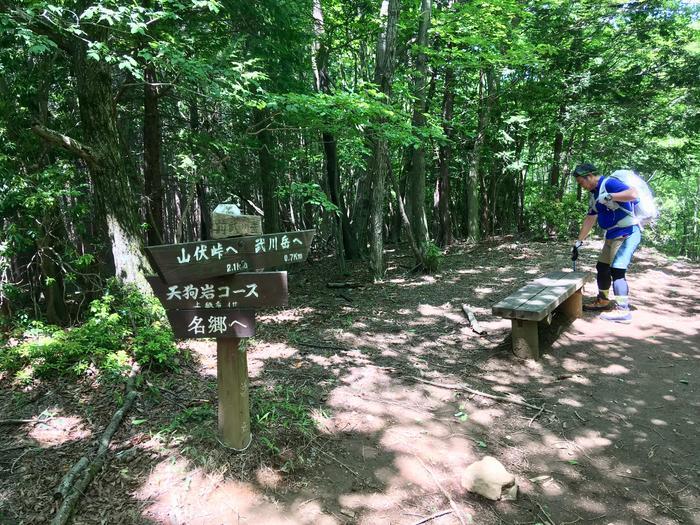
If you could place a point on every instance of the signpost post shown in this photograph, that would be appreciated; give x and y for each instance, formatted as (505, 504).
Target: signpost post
(209, 289)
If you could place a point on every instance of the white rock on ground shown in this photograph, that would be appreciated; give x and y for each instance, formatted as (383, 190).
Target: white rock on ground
(490, 479)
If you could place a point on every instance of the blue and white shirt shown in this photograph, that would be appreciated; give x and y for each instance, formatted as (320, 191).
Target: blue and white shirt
(607, 218)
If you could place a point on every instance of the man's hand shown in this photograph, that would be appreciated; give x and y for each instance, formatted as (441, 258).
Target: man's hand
(574, 250)
(605, 199)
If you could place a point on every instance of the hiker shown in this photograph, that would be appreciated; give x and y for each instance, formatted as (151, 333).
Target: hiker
(612, 205)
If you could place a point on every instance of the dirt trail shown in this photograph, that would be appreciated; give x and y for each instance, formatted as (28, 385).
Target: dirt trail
(619, 445)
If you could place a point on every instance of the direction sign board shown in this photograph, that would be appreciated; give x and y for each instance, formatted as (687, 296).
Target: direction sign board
(240, 290)
(212, 322)
(199, 260)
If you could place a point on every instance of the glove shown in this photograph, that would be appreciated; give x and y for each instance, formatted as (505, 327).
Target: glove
(574, 250)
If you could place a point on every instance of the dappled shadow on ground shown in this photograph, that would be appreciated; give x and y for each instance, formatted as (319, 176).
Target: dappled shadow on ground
(614, 443)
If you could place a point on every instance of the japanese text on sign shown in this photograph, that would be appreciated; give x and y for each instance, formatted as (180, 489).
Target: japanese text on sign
(209, 292)
(266, 244)
(215, 324)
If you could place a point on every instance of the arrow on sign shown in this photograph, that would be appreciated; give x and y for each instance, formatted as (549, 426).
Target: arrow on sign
(194, 261)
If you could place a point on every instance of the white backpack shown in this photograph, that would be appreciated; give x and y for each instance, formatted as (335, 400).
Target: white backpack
(645, 211)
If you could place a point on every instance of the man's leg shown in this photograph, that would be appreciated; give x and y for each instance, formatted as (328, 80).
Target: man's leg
(618, 272)
(604, 276)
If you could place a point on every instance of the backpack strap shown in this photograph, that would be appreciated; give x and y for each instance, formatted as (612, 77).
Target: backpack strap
(628, 220)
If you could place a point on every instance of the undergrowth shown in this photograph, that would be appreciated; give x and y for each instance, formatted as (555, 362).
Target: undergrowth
(281, 418)
(121, 327)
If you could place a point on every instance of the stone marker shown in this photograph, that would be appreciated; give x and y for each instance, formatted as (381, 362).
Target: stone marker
(227, 221)
(490, 479)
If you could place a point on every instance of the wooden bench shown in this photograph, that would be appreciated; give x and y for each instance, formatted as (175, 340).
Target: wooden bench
(536, 301)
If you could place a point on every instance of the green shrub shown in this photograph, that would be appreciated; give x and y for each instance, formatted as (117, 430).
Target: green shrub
(123, 325)
(433, 256)
(546, 216)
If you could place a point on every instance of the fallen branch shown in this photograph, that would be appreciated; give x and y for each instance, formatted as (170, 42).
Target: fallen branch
(473, 323)
(632, 477)
(347, 284)
(23, 421)
(338, 462)
(544, 512)
(434, 516)
(63, 515)
(483, 394)
(344, 296)
(454, 506)
(68, 480)
(314, 345)
(16, 447)
(536, 416)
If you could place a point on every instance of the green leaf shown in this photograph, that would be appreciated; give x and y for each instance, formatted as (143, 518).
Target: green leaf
(37, 49)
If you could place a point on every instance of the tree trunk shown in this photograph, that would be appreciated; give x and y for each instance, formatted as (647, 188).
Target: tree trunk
(415, 194)
(360, 216)
(379, 167)
(554, 171)
(52, 276)
(52, 226)
(489, 174)
(153, 178)
(531, 151)
(267, 172)
(474, 178)
(344, 241)
(445, 156)
(203, 207)
(566, 159)
(115, 201)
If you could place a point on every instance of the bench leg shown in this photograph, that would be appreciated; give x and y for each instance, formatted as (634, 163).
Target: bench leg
(573, 306)
(525, 342)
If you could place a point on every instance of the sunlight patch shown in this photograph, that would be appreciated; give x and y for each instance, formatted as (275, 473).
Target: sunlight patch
(176, 493)
(445, 310)
(485, 417)
(285, 316)
(59, 430)
(591, 440)
(570, 402)
(615, 370)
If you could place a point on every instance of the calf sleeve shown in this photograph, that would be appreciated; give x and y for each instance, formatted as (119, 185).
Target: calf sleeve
(604, 279)
(620, 286)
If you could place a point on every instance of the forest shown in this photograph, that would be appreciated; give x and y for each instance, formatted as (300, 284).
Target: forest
(394, 128)
(125, 125)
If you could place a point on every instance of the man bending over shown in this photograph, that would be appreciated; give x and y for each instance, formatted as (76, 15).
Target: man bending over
(612, 206)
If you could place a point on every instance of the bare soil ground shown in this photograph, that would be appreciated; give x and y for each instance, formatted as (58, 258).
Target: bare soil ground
(346, 430)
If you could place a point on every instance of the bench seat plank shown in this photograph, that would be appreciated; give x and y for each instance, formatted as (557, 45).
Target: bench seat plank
(536, 300)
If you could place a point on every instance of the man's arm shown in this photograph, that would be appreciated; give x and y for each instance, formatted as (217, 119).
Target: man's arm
(628, 195)
(619, 191)
(587, 226)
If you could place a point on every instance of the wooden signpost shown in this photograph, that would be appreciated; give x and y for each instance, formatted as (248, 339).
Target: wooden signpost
(240, 290)
(209, 289)
(177, 263)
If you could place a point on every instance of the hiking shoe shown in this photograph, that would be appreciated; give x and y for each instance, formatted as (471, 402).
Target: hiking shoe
(600, 304)
(618, 315)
